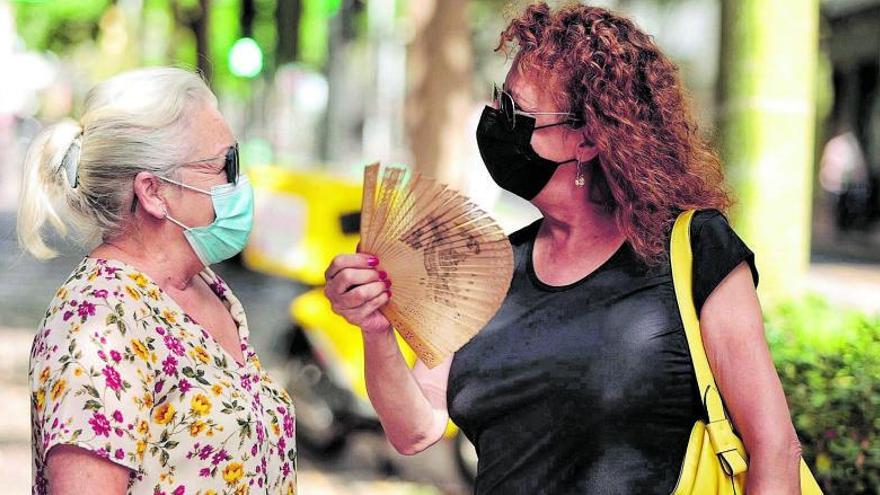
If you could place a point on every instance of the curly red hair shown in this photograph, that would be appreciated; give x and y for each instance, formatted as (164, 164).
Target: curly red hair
(651, 163)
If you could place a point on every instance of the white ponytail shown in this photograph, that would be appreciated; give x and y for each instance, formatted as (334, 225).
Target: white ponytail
(79, 175)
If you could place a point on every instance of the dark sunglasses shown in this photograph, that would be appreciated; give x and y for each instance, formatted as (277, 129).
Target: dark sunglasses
(508, 107)
(230, 165)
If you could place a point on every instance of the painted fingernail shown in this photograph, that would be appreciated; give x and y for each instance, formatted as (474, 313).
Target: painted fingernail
(387, 283)
(383, 275)
(373, 261)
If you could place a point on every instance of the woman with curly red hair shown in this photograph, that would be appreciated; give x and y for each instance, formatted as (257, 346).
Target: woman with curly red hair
(583, 382)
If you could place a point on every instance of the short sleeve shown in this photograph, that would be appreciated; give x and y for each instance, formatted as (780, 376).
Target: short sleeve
(717, 251)
(90, 377)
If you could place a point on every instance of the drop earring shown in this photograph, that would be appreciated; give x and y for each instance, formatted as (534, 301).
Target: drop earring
(579, 180)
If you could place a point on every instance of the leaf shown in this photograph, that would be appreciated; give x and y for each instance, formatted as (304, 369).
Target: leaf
(92, 391)
(92, 405)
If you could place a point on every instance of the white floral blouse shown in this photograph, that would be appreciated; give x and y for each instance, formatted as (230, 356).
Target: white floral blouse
(120, 369)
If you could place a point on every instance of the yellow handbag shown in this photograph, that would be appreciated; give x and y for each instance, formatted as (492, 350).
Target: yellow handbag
(715, 461)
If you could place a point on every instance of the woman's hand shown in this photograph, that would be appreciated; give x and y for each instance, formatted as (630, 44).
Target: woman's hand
(357, 289)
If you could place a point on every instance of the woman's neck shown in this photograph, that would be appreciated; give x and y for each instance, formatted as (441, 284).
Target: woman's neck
(575, 227)
(166, 267)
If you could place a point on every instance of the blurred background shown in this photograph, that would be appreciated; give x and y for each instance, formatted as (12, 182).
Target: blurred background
(316, 89)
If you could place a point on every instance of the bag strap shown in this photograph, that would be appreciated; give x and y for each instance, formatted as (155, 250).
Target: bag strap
(721, 433)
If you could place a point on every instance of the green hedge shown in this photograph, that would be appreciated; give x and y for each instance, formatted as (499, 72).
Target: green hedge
(829, 362)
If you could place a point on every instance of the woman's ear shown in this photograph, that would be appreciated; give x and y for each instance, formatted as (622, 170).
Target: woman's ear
(586, 151)
(146, 193)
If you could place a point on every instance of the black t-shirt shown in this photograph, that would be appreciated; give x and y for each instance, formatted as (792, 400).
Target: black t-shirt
(588, 388)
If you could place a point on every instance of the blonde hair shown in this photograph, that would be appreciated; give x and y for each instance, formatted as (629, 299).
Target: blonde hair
(79, 175)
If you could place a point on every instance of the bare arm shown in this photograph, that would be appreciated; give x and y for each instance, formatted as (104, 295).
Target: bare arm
(733, 335)
(73, 470)
(411, 404)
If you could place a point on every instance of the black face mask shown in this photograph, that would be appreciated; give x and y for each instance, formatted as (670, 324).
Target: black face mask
(508, 154)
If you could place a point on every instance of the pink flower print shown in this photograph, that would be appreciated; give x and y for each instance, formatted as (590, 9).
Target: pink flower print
(218, 288)
(205, 472)
(100, 293)
(119, 454)
(219, 457)
(100, 424)
(86, 309)
(158, 386)
(246, 382)
(288, 425)
(117, 415)
(67, 315)
(174, 345)
(114, 381)
(114, 355)
(169, 366)
(206, 452)
(160, 330)
(261, 432)
(102, 355)
(184, 386)
(180, 490)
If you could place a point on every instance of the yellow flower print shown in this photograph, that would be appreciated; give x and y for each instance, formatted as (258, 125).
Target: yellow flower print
(143, 427)
(138, 278)
(276, 429)
(133, 293)
(148, 400)
(93, 275)
(171, 316)
(61, 292)
(141, 447)
(78, 371)
(291, 488)
(233, 472)
(201, 354)
(210, 492)
(257, 363)
(153, 293)
(58, 389)
(44, 375)
(164, 414)
(197, 427)
(216, 389)
(40, 399)
(139, 349)
(242, 489)
(200, 405)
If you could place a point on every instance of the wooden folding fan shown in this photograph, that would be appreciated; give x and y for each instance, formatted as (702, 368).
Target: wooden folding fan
(450, 263)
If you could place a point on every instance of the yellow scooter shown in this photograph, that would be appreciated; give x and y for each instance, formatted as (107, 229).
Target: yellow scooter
(301, 221)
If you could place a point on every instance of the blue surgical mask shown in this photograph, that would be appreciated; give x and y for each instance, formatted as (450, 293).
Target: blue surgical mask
(227, 235)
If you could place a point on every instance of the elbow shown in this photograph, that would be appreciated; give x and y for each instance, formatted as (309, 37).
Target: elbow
(413, 442)
(786, 447)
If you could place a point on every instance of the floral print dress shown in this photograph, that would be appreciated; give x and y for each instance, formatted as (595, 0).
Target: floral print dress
(120, 369)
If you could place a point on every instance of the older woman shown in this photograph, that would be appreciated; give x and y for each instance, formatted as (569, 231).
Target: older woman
(582, 382)
(141, 373)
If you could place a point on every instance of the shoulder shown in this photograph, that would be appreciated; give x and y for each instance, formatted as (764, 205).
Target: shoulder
(711, 217)
(92, 308)
(525, 234)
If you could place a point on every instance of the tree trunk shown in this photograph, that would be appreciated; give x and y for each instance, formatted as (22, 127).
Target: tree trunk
(440, 72)
(767, 113)
(198, 21)
(287, 16)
